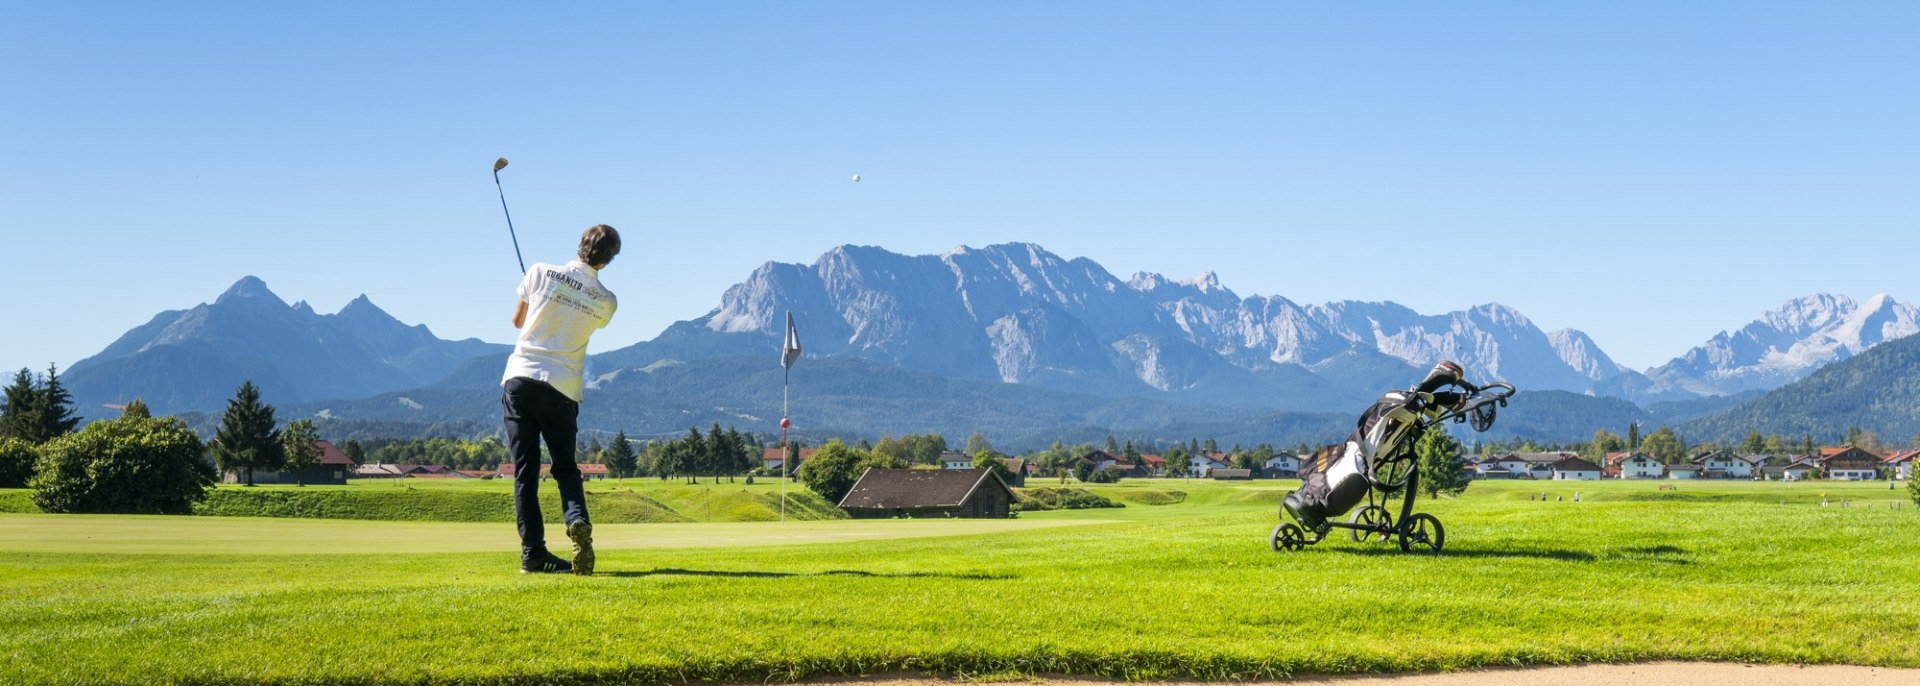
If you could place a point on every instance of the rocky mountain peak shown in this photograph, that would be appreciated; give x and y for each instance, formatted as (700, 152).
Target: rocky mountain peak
(249, 288)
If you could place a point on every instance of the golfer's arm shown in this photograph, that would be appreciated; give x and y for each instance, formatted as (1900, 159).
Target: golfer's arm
(520, 315)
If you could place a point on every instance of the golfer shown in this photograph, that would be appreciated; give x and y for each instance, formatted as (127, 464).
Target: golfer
(560, 308)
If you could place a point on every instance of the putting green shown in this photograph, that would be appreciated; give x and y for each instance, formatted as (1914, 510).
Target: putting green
(257, 536)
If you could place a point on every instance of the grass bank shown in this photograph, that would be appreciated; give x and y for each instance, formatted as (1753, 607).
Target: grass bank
(610, 502)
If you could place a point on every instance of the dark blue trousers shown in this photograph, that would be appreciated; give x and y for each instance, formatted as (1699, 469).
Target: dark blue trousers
(535, 411)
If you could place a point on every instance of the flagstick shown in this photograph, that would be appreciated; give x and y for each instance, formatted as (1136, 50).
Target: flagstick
(786, 460)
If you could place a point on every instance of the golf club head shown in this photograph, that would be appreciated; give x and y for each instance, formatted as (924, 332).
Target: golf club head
(500, 164)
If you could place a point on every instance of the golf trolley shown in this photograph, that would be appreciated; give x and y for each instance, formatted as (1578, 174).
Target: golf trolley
(1395, 471)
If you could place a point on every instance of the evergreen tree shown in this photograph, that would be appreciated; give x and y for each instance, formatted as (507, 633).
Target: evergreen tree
(740, 454)
(138, 408)
(37, 411)
(669, 458)
(693, 455)
(247, 440)
(620, 457)
(17, 417)
(1442, 472)
(718, 452)
(358, 453)
(1754, 444)
(1112, 447)
(55, 407)
(1633, 437)
(1211, 446)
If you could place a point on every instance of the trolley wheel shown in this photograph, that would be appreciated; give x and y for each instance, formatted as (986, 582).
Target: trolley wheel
(1422, 532)
(1371, 515)
(1288, 536)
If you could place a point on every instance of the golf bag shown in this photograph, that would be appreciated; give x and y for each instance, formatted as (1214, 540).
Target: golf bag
(1337, 477)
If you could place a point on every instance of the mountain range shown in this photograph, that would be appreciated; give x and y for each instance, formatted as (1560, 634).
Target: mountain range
(1067, 344)
(194, 359)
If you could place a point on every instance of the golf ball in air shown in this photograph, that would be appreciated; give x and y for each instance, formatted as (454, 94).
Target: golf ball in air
(856, 178)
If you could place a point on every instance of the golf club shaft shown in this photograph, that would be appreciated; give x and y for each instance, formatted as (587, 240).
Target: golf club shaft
(510, 232)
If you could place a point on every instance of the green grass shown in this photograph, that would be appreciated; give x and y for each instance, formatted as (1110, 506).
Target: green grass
(1712, 571)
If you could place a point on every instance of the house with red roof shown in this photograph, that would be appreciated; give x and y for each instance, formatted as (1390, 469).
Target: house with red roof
(1900, 462)
(776, 456)
(1848, 463)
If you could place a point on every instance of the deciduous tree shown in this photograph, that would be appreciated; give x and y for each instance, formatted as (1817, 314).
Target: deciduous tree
(985, 459)
(17, 458)
(299, 445)
(831, 471)
(128, 465)
(978, 442)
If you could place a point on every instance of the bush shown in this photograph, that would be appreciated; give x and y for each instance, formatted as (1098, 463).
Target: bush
(130, 465)
(1913, 486)
(832, 470)
(16, 462)
(1034, 499)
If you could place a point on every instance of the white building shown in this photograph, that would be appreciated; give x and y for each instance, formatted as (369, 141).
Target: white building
(1638, 466)
(1575, 469)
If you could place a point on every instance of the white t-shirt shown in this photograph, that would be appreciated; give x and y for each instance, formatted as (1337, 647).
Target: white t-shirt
(565, 305)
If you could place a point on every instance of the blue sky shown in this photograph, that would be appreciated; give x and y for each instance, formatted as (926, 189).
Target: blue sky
(1649, 173)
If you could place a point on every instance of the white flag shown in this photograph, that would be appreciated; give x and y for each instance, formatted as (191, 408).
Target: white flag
(791, 351)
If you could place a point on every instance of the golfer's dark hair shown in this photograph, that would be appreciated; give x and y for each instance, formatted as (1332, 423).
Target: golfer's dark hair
(599, 244)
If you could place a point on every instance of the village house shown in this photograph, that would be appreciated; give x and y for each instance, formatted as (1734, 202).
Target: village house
(1900, 462)
(377, 471)
(970, 493)
(1720, 464)
(1489, 468)
(1796, 471)
(1575, 469)
(1282, 466)
(956, 461)
(1623, 465)
(1018, 468)
(1532, 465)
(1203, 464)
(773, 458)
(1848, 463)
(1154, 464)
(1682, 471)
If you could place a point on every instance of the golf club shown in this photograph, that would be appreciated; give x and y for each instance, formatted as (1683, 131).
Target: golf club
(498, 165)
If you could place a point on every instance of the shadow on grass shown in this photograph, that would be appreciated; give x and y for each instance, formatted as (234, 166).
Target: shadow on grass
(1542, 554)
(973, 576)
(1669, 554)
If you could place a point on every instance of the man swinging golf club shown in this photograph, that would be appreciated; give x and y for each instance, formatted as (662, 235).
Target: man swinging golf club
(560, 308)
